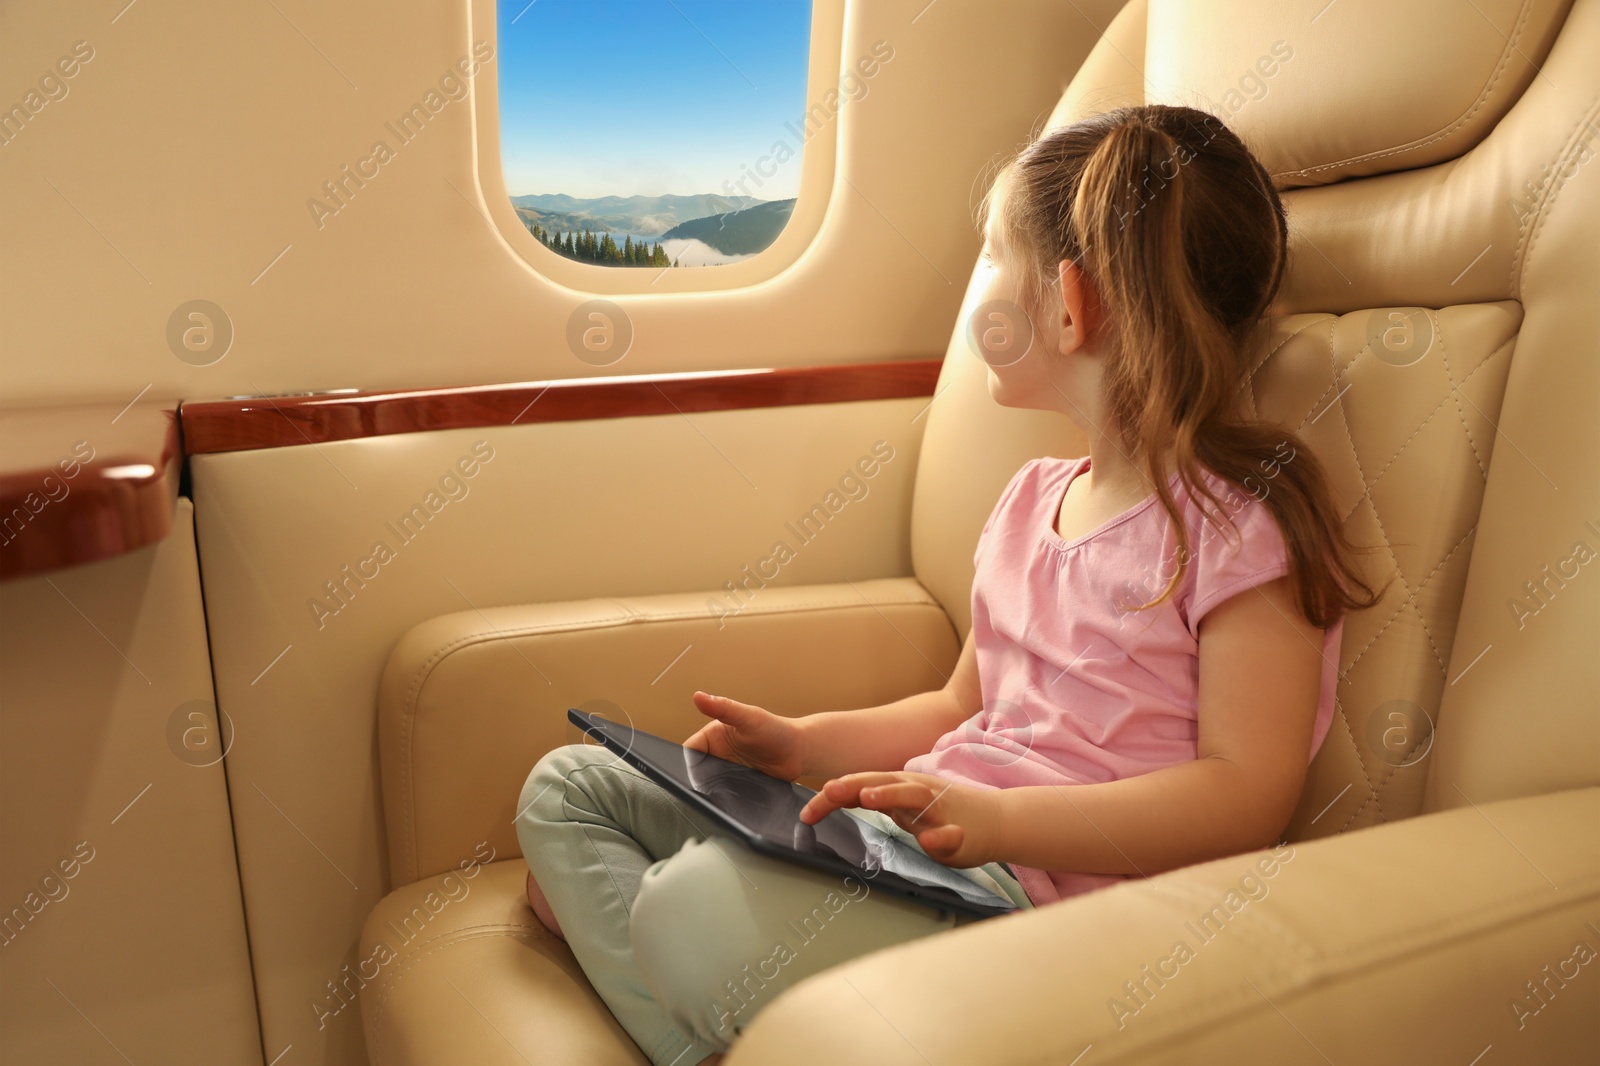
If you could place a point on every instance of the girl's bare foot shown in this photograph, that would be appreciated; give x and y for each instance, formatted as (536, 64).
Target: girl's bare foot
(541, 908)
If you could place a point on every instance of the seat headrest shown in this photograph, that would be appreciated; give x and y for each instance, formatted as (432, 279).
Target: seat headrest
(1326, 90)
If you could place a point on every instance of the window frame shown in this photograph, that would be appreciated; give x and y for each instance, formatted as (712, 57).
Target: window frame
(818, 159)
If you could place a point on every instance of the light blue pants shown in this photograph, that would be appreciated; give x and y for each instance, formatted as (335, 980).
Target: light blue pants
(684, 931)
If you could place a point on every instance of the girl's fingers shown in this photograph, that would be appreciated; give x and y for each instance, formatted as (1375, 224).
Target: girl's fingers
(724, 709)
(911, 796)
(817, 808)
(911, 804)
(702, 738)
(709, 705)
(942, 840)
(846, 792)
(835, 793)
(867, 779)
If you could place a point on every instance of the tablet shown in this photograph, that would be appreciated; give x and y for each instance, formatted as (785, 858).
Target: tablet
(764, 812)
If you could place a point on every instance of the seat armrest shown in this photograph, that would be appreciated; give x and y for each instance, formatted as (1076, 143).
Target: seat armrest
(470, 701)
(1424, 940)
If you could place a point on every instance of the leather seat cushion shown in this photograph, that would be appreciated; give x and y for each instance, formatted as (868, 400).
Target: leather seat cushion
(449, 953)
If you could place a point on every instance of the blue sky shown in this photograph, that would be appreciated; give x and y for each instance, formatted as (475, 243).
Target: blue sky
(649, 97)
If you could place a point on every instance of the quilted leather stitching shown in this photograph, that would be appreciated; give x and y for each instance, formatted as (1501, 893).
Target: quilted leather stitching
(1248, 386)
(1444, 357)
(1378, 774)
(1372, 796)
(1401, 609)
(1484, 470)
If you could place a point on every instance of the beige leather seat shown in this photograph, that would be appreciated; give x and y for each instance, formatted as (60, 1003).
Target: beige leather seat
(1438, 899)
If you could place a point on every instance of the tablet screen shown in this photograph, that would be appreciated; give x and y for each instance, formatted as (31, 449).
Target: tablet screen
(769, 808)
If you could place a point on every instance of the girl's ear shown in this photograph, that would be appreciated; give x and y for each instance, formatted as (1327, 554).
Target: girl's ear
(1077, 308)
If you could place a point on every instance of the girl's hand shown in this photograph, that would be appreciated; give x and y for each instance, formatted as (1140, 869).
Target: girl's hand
(954, 823)
(747, 734)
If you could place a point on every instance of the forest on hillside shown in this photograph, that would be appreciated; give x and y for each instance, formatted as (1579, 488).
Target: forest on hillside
(585, 247)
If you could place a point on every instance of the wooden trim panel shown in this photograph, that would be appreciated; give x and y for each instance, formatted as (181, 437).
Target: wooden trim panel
(275, 422)
(85, 483)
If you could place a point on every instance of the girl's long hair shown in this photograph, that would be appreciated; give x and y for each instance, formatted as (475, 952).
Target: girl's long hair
(1182, 238)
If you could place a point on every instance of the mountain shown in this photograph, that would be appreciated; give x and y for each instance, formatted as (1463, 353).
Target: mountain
(560, 222)
(738, 232)
(647, 215)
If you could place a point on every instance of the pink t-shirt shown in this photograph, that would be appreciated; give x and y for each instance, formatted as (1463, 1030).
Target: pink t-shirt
(1075, 689)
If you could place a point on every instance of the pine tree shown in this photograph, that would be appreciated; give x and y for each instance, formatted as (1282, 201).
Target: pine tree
(587, 246)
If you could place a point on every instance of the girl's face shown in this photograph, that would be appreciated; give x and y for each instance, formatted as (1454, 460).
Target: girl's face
(1036, 360)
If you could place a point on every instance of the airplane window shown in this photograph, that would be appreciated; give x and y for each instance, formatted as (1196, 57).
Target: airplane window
(661, 134)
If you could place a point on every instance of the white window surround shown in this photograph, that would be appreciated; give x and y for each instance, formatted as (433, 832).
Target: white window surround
(817, 163)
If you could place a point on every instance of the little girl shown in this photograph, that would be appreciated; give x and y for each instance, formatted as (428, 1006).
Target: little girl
(1155, 626)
